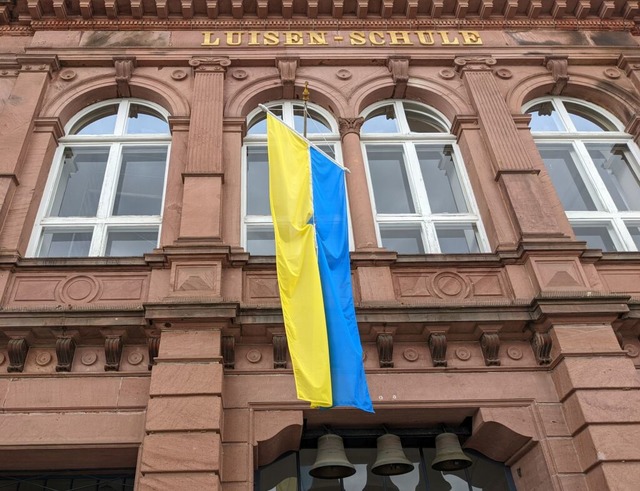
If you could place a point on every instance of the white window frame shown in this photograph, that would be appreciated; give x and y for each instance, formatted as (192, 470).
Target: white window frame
(422, 217)
(103, 222)
(607, 213)
(265, 222)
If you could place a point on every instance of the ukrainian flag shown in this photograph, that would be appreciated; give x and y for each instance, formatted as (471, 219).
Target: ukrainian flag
(308, 205)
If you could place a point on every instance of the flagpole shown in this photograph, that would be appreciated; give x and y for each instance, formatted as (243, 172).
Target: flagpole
(305, 99)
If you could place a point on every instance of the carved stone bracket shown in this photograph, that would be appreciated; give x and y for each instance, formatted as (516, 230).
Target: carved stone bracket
(350, 125)
(384, 342)
(541, 344)
(490, 344)
(18, 349)
(558, 66)
(474, 63)
(113, 352)
(287, 68)
(124, 70)
(65, 349)
(620, 339)
(217, 64)
(279, 351)
(38, 63)
(153, 344)
(229, 351)
(438, 348)
(399, 68)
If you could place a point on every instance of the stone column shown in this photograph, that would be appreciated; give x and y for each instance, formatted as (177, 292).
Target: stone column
(17, 122)
(182, 447)
(203, 175)
(362, 223)
(511, 159)
(232, 157)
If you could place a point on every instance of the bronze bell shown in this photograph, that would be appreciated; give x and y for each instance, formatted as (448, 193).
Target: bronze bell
(391, 460)
(331, 461)
(449, 454)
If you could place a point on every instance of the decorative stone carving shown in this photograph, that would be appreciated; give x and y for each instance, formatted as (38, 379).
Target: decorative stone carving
(43, 358)
(60, 9)
(279, 351)
(18, 349)
(619, 338)
(559, 8)
(254, 356)
(113, 352)
(514, 353)
(65, 349)
(463, 353)
(490, 344)
(399, 68)
(178, 75)
(410, 354)
(438, 348)
(210, 64)
(287, 68)
(475, 63)
(447, 73)
(89, 358)
(135, 358)
(350, 125)
(124, 70)
(153, 345)
(384, 342)
(344, 74)
(111, 8)
(558, 66)
(228, 351)
(541, 344)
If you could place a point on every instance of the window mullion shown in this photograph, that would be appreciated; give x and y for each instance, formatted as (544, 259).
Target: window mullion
(121, 118)
(597, 187)
(417, 187)
(429, 231)
(110, 182)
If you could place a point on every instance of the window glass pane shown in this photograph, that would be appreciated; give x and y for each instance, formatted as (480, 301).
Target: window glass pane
(404, 240)
(141, 181)
(457, 239)
(315, 122)
(65, 243)
(58, 484)
(544, 117)
(634, 230)
(99, 122)
(144, 120)
(570, 186)
(441, 179)
(257, 181)
(389, 179)
(596, 236)
(487, 475)
(258, 126)
(382, 120)
(281, 475)
(421, 123)
(32, 485)
(131, 242)
(261, 242)
(329, 150)
(613, 164)
(80, 184)
(586, 120)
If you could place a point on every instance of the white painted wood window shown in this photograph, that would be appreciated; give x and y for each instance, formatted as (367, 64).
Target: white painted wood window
(593, 165)
(105, 191)
(420, 191)
(322, 130)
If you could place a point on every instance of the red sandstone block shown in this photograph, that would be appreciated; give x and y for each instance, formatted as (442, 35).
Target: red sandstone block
(134, 392)
(594, 373)
(615, 476)
(189, 345)
(375, 284)
(238, 486)
(584, 339)
(553, 419)
(184, 413)
(573, 482)
(179, 481)
(181, 452)
(186, 378)
(602, 406)
(606, 443)
(564, 455)
(236, 465)
(236, 425)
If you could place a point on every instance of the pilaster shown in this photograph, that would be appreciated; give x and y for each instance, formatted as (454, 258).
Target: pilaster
(512, 166)
(203, 175)
(233, 132)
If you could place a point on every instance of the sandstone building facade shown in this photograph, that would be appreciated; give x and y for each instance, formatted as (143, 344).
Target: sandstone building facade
(494, 201)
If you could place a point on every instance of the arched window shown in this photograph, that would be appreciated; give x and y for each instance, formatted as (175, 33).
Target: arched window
(421, 195)
(322, 130)
(593, 165)
(105, 191)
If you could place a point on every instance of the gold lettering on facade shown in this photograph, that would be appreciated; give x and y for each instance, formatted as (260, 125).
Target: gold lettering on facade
(292, 38)
(399, 38)
(470, 37)
(444, 35)
(426, 38)
(355, 38)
